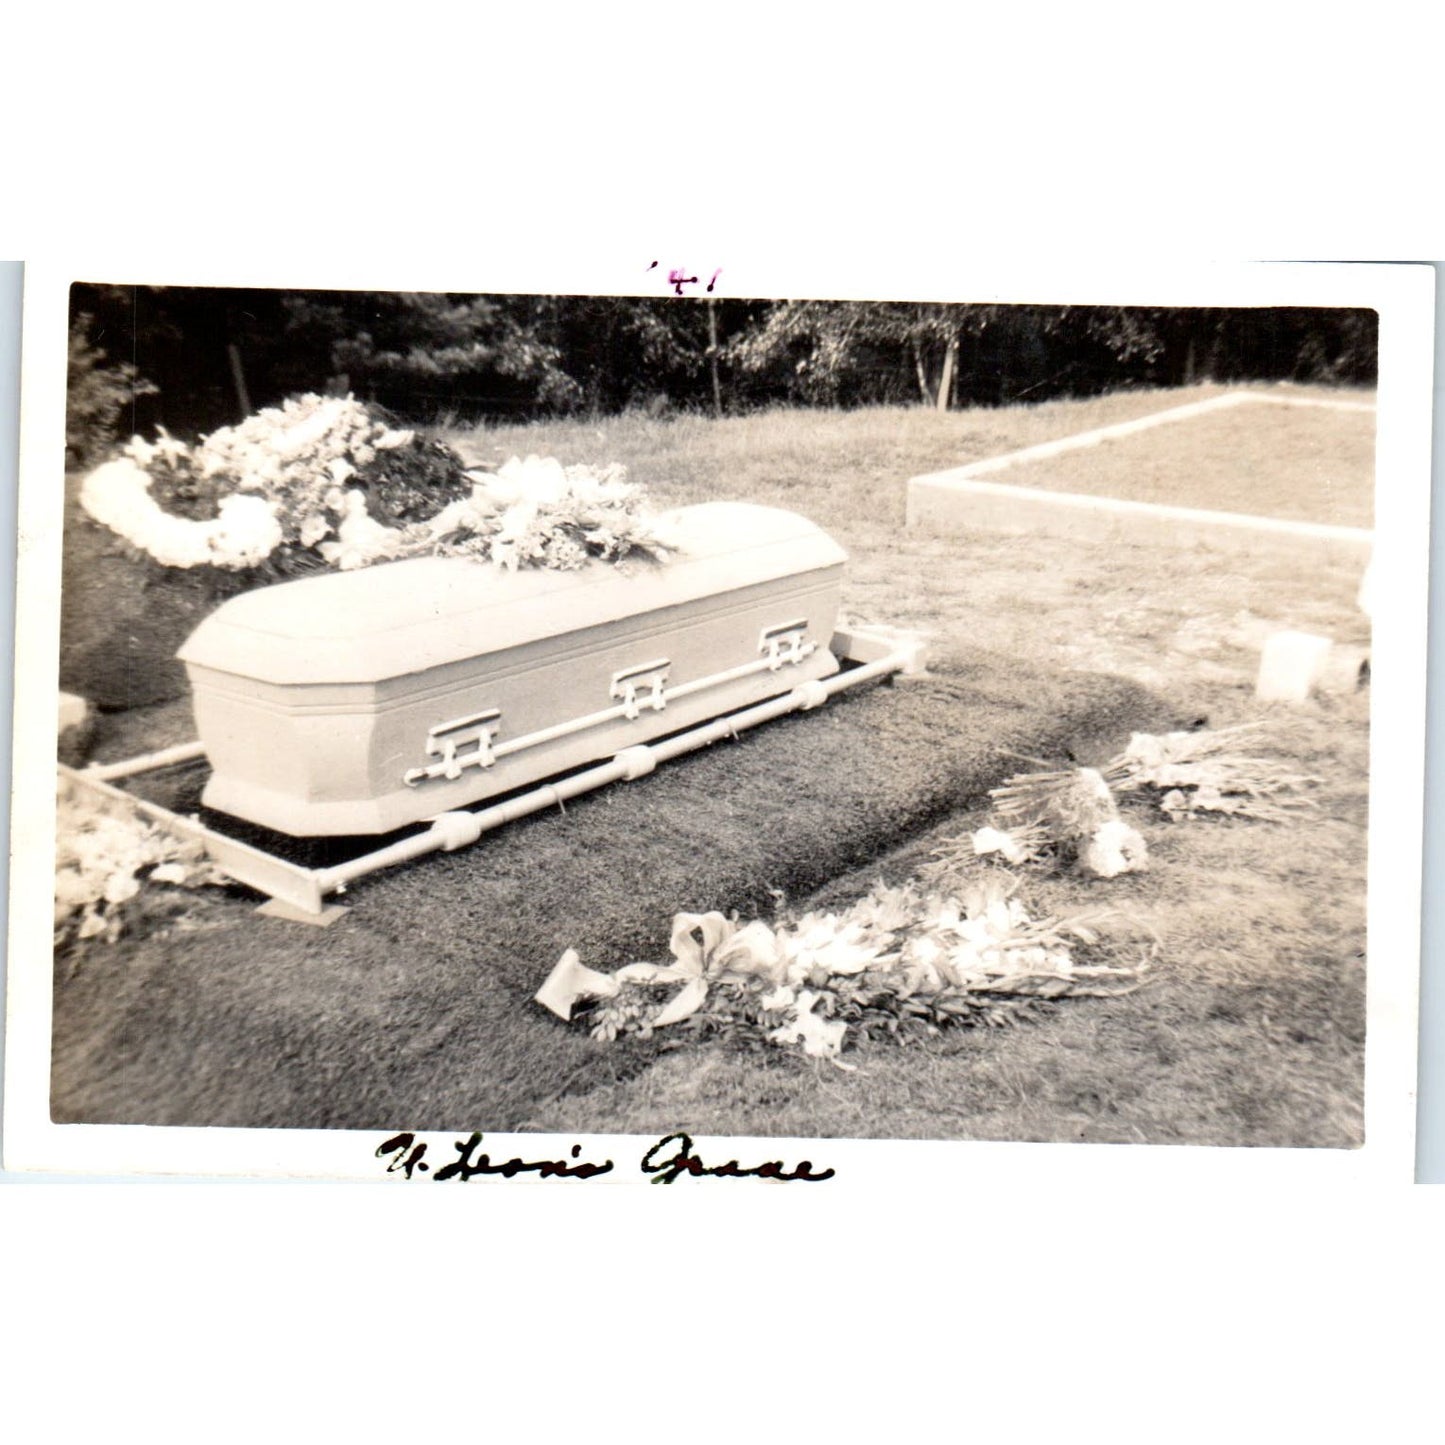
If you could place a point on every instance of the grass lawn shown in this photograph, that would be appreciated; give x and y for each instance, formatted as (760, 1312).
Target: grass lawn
(1304, 464)
(1180, 619)
(1251, 1031)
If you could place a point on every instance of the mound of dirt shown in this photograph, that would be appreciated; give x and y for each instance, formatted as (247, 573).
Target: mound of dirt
(122, 617)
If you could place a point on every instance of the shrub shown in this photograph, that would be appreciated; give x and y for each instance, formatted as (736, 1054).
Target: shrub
(97, 395)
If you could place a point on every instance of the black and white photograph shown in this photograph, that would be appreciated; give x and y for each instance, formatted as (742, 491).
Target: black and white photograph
(827, 608)
(681, 716)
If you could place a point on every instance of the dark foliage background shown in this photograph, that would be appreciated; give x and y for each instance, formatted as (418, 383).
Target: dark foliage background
(196, 358)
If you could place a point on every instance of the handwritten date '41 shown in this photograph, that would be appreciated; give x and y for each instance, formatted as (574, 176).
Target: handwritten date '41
(677, 278)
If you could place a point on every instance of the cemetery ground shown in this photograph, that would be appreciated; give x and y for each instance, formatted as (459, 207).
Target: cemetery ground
(1250, 1029)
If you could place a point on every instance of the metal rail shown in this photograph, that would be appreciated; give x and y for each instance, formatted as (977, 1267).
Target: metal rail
(307, 888)
(655, 701)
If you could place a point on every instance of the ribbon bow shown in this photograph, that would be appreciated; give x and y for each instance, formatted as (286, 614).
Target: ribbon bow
(707, 948)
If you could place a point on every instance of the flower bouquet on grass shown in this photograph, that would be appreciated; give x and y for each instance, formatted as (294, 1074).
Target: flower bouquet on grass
(1070, 816)
(1067, 817)
(1189, 773)
(901, 962)
(105, 858)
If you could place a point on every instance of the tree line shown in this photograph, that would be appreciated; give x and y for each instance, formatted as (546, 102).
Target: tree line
(195, 358)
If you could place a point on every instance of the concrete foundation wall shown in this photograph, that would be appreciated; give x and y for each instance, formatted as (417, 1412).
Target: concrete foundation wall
(948, 505)
(957, 502)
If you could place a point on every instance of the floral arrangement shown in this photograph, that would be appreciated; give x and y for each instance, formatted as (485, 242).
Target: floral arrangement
(900, 961)
(1188, 773)
(330, 482)
(1068, 817)
(532, 513)
(102, 861)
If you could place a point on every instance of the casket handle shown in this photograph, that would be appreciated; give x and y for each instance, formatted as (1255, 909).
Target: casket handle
(627, 685)
(447, 739)
(784, 643)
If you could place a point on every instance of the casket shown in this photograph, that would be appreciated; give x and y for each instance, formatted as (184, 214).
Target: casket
(362, 702)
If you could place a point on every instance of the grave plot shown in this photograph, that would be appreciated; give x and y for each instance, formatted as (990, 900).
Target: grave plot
(417, 1005)
(1251, 470)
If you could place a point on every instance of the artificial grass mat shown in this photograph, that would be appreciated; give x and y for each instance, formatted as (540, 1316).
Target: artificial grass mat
(415, 1010)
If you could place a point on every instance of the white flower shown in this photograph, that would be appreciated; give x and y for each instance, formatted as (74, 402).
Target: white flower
(115, 492)
(1116, 848)
(174, 541)
(565, 555)
(1175, 804)
(120, 887)
(246, 532)
(538, 479)
(92, 924)
(821, 1038)
(297, 427)
(826, 942)
(992, 840)
(362, 540)
(285, 452)
(71, 889)
(920, 960)
(100, 859)
(570, 980)
(165, 448)
(466, 514)
(517, 521)
(292, 463)
(139, 450)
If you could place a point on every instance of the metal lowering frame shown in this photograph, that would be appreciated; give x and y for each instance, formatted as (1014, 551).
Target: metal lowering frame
(302, 892)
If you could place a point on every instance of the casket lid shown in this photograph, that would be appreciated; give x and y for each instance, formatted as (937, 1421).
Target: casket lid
(400, 618)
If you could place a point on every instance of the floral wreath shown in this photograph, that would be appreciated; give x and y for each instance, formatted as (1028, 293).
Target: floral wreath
(308, 477)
